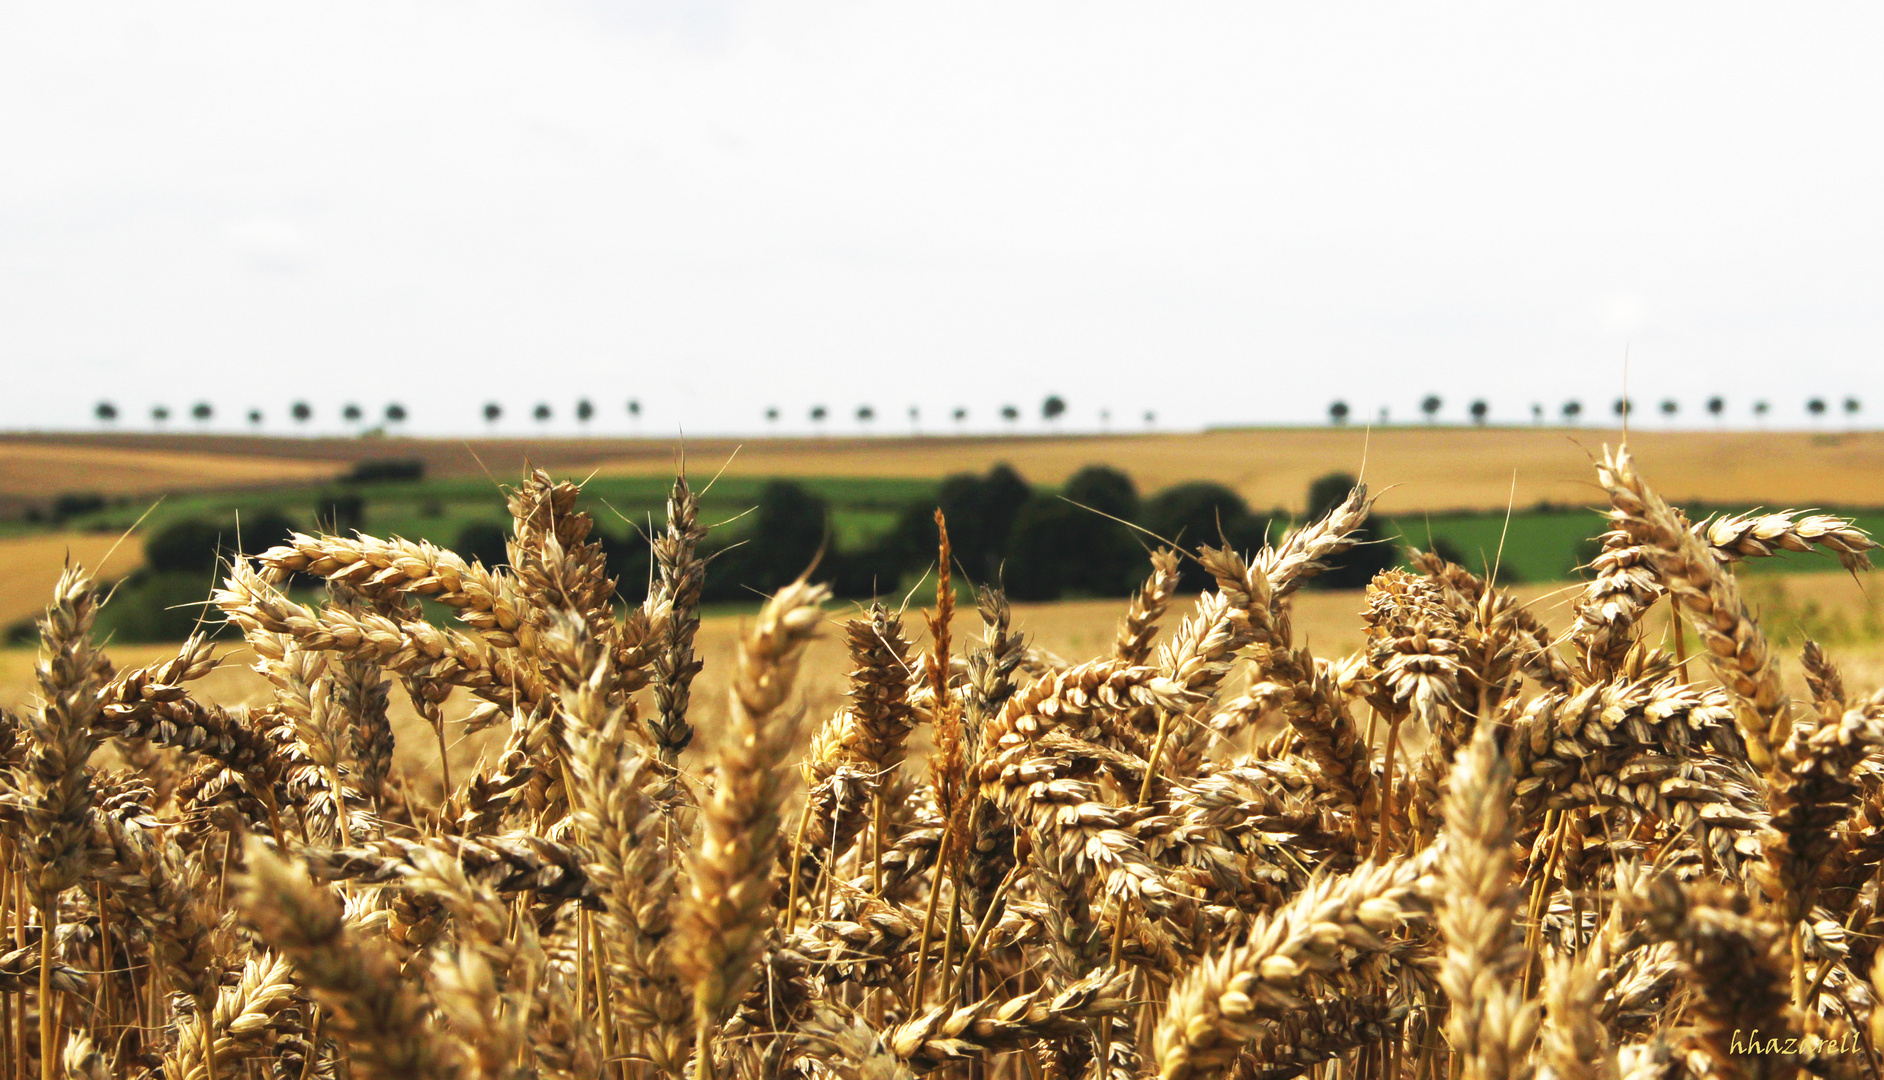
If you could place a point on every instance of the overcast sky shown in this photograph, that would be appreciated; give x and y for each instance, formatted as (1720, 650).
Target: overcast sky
(1220, 212)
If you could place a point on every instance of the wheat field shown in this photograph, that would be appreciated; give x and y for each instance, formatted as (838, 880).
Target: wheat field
(1436, 829)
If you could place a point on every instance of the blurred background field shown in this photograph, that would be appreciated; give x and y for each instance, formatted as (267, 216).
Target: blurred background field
(155, 515)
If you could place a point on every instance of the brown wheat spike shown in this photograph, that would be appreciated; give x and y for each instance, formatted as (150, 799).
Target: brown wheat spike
(357, 981)
(1710, 598)
(1225, 1001)
(1751, 535)
(486, 600)
(677, 598)
(723, 919)
(1490, 1023)
(1735, 961)
(1140, 625)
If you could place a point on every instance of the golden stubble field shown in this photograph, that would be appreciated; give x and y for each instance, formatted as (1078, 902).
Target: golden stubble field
(1327, 622)
(1426, 468)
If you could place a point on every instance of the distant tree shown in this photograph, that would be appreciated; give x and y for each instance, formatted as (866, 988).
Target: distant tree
(1816, 406)
(1053, 408)
(203, 410)
(1852, 406)
(1150, 418)
(1010, 413)
(351, 413)
(395, 413)
(1716, 405)
(915, 419)
(771, 414)
(160, 413)
(1479, 409)
(960, 415)
(818, 413)
(1373, 550)
(105, 411)
(1622, 407)
(1760, 409)
(493, 412)
(1105, 419)
(1383, 416)
(794, 525)
(1430, 405)
(1071, 544)
(585, 412)
(1669, 408)
(301, 411)
(1202, 512)
(340, 512)
(255, 418)
(485, 541)
(1338, 412)
(865, 414)
(542, 412)
(1571, 410)
(1537, 413)
(634, 410)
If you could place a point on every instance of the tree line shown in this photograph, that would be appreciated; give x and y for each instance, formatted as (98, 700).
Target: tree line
(1479, 409)
(1087, 539)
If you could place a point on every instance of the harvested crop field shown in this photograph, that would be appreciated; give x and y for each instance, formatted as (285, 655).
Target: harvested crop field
(1416, 468)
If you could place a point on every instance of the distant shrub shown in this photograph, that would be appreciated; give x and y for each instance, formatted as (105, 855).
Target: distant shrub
(1071, 545)
(484, 541)
(72, 504)
(340, 512)
(1373, 549)
(377, 470)
(1200, 513)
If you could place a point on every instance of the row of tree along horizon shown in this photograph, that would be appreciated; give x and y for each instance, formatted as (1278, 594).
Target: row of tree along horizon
(1052, 409)
(1622, 408)
(1039, 545)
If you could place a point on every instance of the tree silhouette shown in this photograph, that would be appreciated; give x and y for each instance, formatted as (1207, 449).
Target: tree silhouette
(1105, 419)
(1622, 407)
(160, 413)
(771, 414)
(202, 411)
(818, 413)
(1716, 405)
(105, 411)
(351, 414)
(1852, 406)
(1670, 407)
(1338, 412)
(542, 412)
(492, 412)
(395, 413)
(865, 414)
(301, 411)
(634, 409)
(1816, 406)
(1479, 410)
(1430, 406)
(1053, 408)
(1571, 410)
(1537, 413)
(1010, 413)
(585, 412)
(960, 414)
(255, 417)
(1760, 409)
(1150, 418)
(915, 419)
